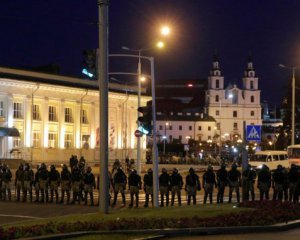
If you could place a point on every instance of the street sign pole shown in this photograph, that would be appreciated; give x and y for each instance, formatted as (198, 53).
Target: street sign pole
(244, 159)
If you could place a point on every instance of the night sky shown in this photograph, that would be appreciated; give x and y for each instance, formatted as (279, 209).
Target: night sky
(35, 33)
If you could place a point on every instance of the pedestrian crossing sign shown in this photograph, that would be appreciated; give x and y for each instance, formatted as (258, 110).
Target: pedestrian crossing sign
(253, 133)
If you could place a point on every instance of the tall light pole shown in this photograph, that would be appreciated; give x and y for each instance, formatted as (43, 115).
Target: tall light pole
(165, 136)
(293, 100)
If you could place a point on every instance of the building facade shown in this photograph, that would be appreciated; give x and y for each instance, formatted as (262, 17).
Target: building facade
(58, 116)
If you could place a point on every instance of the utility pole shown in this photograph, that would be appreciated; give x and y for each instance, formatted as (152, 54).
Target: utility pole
(103, 103)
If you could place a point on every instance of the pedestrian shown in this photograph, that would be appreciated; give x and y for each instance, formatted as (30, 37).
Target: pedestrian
(65, 183)
(277, 183)
(134, 184)
(264, 182)
(209, 181)
(234, 180)
(44, 182)
(89, 185)
(294, 178)
(54, 180)
(286, 184)
(19, 180)
(164, 186)
(6, 177)
(192, 184)
(36, 184)
(76, 177)
(249, 176)
(148, 186)
(176, 184)
(119, 184)
(222, 181)
(28, 182)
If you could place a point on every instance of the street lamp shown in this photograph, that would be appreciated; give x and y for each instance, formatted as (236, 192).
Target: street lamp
(293, 99)
(165, 137)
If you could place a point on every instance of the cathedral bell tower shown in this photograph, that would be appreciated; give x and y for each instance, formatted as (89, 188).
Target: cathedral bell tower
(250, 81)
(215, 80)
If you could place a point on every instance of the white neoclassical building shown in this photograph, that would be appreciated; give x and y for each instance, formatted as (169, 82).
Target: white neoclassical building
(231, 106)
(57, 116)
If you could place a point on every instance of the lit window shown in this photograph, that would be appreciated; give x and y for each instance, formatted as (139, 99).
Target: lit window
(1, 109)
(84, 118)
(68, 115)
(18, 110)
(36, 139)
(17, 141)
(68, 140)
(52, 140)
(52, 114)
(36, 112)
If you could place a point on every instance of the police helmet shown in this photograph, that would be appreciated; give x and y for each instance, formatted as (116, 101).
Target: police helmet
(279, 167)
(164, 170)
(149, 170)
(234, 166)
(133, 171)
(191, 170)
(223, 166)
(209, 167)
(89, 169)
(175, 170)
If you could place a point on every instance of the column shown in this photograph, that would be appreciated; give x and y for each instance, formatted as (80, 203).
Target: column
(61, 120)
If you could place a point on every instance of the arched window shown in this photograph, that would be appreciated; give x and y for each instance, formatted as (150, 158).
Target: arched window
(217, 98)
(252, 99)
(251, 85)
(217, 83)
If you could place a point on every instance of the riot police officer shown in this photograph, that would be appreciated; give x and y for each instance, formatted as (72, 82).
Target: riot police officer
(119, 183)
(19, 180)
(249, 176)
(76, 177)
(36, 183)
(65, 183)
(28, 181)
(294, 179)
(44, 182)
(209, 181)
(192, 184)
(277, 183)
(89, 185)
(176, 184)
(234, 180)
(135, 184)
(54, 179)
(222, 181)
(164, 185)
(148, 186)
(264, 182)
(6, 180)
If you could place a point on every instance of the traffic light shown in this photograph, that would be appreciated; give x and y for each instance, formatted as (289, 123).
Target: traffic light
(145, 121)
(89, 63)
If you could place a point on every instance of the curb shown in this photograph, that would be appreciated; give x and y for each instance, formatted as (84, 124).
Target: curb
(160, 233)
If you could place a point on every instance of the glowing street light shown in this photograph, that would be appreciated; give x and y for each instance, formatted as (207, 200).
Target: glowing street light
(160, 44)
(165, 30)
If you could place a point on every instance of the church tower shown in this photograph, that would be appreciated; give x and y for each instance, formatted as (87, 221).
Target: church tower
(215, 80)
(250, 81)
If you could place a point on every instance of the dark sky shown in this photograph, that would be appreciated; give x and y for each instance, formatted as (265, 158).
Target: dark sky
(35, 32)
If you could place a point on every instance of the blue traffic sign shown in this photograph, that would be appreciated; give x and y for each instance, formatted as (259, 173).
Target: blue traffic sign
(253, 133)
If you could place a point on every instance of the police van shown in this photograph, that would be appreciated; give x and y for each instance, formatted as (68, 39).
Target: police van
(270, 158)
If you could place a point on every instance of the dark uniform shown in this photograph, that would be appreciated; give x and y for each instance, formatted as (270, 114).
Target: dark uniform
(89, 185)
(6, 180)
(28, 182)
(44, 182)
(234, 180)
(54, 179)
(209, 181)
(119, 183)
(264, 182)
(135, 184)
(65, 178)
(222, 181)
(286, 184)
(19, 179)
(294, 179)
(278, 179)
(148, 187)
(76, 177)
(192, 184)
(249, 176)
(176, 184)
(164, 187)
(36, 184)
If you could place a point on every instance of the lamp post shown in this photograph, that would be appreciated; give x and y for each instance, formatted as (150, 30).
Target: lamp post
(293, 100)
(165, 137)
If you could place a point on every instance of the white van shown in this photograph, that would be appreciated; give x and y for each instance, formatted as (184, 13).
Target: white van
(270, 158)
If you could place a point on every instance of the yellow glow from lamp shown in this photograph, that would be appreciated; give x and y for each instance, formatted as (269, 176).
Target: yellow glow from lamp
(160, 44)
(165, 31)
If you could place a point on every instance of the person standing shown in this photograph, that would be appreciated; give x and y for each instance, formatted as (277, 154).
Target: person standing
(209, 181)
(249, 176)
(135, 184)
(36, 184)
(234, 179)
(148, 186)
(176, 184)
(44, 182)
(89, 185)
(19, 180)
(65, 183)
(277, 183)
(28, 181)
(76, 177)
(164, 186)
(54, 179)
(294, 179)
(119, 183)
(264, 182)
(6, 180)
(192, 184)
(222, 181)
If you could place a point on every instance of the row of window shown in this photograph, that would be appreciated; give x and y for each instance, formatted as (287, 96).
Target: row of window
(52, 116)
(52, 140)
(180, 128)
(187, 137)
(251, 82)
(234, 113)
(217, 99)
